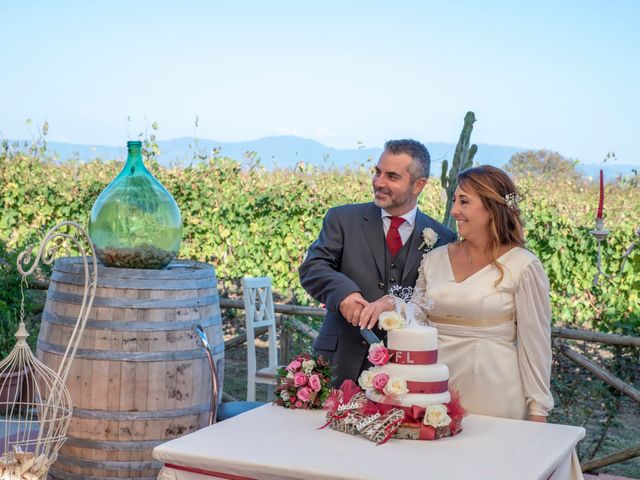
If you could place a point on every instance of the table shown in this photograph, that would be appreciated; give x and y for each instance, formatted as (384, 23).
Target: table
(271, 442)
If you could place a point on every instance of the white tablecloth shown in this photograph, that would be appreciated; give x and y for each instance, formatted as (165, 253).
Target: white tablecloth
(274, 443)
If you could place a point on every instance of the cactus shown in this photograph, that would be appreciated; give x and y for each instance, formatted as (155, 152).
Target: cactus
(462, 159)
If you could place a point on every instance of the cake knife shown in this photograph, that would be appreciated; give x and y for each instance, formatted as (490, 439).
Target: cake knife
(369, 336)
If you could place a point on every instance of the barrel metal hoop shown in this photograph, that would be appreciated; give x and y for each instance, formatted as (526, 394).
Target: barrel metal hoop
(114, 444)
(109, 464)
(133, 325)
(62, 475)
(135, 302)
(109, 355)
(176, 269)
(140, 415)
(188, 283)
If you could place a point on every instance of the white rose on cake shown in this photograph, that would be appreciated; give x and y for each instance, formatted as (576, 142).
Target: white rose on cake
(436, 416)
(396, 386)
(366, 378)
(390, 320)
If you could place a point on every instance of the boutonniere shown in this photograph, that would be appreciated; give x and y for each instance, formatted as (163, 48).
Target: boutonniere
(429, 239)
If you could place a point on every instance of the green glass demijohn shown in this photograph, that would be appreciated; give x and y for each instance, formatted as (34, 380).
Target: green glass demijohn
(135, 222)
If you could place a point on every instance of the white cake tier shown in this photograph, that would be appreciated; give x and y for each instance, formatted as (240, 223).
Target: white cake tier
(417, 399)
(413, 339)
(437, 372)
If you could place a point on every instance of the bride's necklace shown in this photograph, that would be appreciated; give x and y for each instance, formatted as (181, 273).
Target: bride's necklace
(466, 255)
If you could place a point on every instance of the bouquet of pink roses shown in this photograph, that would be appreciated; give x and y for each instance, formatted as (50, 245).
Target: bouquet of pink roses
(304, 383)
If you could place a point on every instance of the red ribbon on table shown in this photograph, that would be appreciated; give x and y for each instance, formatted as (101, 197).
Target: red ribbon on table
(413, 417)
(406, 357)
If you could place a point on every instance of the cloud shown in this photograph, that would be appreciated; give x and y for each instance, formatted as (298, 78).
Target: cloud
(288, 131)
(322, 132)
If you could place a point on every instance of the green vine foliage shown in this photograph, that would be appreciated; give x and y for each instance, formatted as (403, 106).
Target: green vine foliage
(248, 221)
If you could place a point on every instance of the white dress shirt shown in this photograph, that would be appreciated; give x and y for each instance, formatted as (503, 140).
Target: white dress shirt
(406, 228)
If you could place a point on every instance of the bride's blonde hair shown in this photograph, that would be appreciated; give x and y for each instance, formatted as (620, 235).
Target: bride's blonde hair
(498, 194)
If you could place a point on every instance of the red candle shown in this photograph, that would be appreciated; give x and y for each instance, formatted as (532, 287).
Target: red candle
(601, 202)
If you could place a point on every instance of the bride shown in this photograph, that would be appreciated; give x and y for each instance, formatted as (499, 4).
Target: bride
(490, 304)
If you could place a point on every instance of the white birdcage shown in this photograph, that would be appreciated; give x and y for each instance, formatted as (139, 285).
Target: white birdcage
(35, 404)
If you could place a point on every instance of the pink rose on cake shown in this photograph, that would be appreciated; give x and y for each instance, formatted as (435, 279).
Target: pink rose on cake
(378, 354)
(314, 383)
(390, 320)
(396, 387)
(436, 416)
(299, 379)
(366, 378)
(380, 380)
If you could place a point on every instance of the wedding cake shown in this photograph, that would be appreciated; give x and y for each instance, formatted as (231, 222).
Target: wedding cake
(412, 358)
(406, 392)
(407, 376)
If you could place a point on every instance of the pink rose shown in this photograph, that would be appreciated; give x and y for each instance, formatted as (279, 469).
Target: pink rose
(298, 404)
(293, 366)
(304, 393)
(299, 379)
(380, 380)
(314, 383)
(379, 355)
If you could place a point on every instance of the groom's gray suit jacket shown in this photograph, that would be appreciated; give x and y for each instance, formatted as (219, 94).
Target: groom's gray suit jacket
(350, 255)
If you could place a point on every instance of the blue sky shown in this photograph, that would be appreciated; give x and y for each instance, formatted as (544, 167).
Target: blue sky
(559, 75)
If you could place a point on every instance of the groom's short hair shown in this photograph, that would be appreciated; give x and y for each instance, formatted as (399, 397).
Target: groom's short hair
(421, 163)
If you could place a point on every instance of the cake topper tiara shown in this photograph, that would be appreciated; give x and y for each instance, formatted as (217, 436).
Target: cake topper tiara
(407, 299)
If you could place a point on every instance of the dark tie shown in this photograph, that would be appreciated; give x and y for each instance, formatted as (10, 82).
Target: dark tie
(394, 241)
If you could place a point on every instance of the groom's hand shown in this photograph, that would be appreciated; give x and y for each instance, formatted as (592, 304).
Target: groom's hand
(352, 306)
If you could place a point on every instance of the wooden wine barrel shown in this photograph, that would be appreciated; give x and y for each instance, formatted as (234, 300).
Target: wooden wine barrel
(139, 377)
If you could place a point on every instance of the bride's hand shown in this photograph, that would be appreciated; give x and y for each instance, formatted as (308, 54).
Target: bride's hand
(538, 418)
(370, 313)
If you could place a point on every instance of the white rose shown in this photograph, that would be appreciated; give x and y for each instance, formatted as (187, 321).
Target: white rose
(308, 366)
(395, 387)
(284, 395)
(390, 320)
(290, 375)
(366, 378)
(436, 416)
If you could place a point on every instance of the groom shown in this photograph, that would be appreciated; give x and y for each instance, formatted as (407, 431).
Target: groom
(365, 249)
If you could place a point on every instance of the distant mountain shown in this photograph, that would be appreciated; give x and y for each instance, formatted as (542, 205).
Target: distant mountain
(288, 151)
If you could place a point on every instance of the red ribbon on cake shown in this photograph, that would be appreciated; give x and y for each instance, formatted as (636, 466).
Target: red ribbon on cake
(428, 387)
(407, 357)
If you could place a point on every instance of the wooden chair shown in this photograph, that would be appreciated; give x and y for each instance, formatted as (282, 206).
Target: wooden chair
(258, 307)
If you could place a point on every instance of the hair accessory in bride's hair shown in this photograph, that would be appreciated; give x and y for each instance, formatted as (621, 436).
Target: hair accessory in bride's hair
(407, 299)
(512, 199)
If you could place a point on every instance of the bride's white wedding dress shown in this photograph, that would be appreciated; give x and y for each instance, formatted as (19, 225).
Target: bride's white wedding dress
(494, 339)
